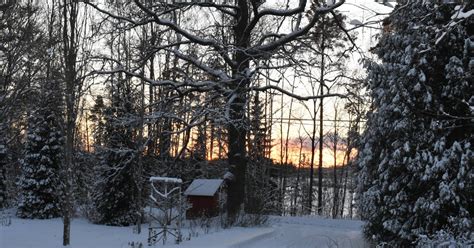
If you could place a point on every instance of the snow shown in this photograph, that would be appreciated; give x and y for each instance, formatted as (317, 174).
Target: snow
(166, 179)
(203, 187)
(26, 233)
(281, 232)
(229, 176)
(356, 22)
(462, 15)
(311, 232)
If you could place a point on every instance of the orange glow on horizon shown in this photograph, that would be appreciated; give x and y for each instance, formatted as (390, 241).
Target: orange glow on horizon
(328, 156)
(219, 149)
(294, 155)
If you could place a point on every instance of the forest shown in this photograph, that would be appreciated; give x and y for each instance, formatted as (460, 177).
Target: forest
(356, 112)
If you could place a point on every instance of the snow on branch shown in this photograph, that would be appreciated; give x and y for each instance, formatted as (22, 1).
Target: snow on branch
(214, 72)
(298, 97)
(177, 28)
(457, 18)
(166, 179)
(258, 50)
(275, 12)
(180, 87)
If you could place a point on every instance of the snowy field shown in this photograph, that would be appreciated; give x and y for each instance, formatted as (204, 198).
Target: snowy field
(281, 232)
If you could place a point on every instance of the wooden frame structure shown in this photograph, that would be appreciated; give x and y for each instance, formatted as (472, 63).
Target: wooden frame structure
(166, 213)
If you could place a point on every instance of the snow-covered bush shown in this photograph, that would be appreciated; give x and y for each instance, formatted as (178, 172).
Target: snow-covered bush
(249, 220)
(445, 239)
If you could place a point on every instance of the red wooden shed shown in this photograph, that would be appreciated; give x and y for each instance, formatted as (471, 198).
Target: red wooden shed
(205, 196)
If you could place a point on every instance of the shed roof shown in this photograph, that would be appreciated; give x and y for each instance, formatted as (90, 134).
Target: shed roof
(204, 187)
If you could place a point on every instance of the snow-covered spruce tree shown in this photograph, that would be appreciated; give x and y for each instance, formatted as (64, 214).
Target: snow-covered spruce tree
(262, 195)
(20, 47)
(116, 198)
(96, 118)
(416, 156)
(39, 180)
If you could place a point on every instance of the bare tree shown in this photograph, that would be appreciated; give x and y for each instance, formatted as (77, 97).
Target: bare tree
(240, 55)
(73, 61)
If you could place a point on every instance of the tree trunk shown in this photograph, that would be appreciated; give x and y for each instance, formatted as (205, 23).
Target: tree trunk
(237, 132)
(70, 55)
(335, 186)
(296, 189)
(287, 139)
(321, 134)
(3, 169)
(236, 156)
(280, 172)
(311, 170)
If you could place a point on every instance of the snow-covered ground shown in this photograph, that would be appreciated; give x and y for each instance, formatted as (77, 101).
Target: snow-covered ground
(311, 232)
(281, 232)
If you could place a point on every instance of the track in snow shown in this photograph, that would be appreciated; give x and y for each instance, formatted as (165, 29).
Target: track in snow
(295, 232)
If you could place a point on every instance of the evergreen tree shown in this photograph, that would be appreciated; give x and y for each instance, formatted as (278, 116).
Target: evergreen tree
(97, 118)
(116, 198)
(257, 130)
(262, 193)
(39, 181)
(20, 46)
(199, 149)
(416, 174)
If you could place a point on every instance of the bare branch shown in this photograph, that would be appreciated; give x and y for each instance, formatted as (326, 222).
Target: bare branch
(298, 97)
